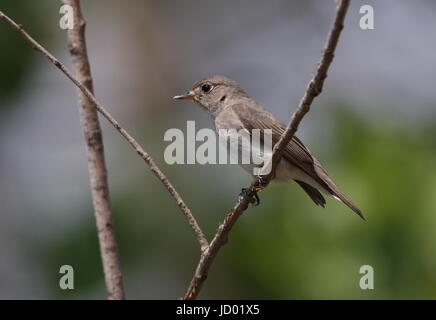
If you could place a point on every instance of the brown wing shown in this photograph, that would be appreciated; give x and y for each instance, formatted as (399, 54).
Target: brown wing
(295, 152)
(255, 117)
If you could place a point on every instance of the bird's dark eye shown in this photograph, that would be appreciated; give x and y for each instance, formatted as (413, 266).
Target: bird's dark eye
(206, 88)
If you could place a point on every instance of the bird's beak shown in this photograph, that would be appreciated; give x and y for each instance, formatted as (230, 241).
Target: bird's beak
(186, 96)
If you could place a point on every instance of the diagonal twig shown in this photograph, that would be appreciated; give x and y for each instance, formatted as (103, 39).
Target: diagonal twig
(136, 146)
(96, 163)
(313, 89)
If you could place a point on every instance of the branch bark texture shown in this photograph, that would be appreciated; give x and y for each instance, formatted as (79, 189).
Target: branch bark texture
(134, 144)
(94, 144)
(313, 89)
(96, 162)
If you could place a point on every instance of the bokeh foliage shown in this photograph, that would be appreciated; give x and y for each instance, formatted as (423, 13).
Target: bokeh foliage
(287, 248)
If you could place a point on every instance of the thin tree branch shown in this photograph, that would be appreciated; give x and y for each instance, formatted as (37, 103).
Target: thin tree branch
(136, 146)
(96, 163)
(313, 89)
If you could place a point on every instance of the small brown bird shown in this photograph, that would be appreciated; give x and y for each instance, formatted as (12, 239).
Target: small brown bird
(232, 108)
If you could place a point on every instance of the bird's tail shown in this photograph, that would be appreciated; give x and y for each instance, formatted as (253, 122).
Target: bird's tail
(338, 195)
(333, 189)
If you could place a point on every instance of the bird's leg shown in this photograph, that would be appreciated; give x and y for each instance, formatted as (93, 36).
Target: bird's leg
(262, 180)
(254, 200)
(257, 199)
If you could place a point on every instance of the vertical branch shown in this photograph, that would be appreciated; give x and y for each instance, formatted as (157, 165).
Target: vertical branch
(132, 141)
(96, 161)
(97, 170)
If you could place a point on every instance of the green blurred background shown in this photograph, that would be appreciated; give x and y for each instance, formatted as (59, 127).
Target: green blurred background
(373, 128)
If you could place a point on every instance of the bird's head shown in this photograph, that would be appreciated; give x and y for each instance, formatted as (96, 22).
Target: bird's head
(212, 93)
